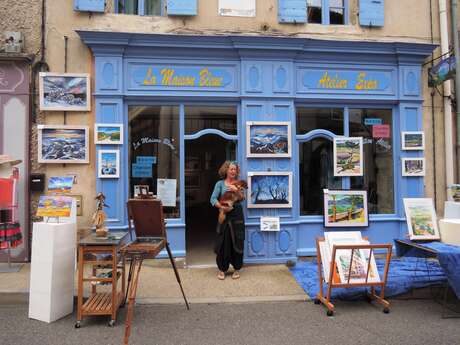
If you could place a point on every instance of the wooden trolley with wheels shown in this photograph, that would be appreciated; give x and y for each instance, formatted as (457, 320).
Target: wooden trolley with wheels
(331, 281)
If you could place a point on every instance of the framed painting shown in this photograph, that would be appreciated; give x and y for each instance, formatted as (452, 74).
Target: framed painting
(348, 156)
(108, 133)
(413, 166)
(413, 140)
(345, 208)
(64, 91)
(266, 139)
(421, 219)
(108, 164)
(60, 184)
(54, 206)
(63, 144)
(269, 190)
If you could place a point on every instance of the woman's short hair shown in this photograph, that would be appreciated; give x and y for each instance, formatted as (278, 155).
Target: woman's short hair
(224, 168)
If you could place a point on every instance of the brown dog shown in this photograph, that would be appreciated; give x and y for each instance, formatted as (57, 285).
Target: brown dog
(230, 197)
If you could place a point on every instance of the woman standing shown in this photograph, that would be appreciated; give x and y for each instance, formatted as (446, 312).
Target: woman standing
(230, 234)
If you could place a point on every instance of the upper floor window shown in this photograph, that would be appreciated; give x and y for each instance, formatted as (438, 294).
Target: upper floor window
(140, 7)
(326, 11)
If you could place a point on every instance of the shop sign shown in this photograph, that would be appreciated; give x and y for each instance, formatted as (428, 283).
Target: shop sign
(180, 76)
(146, 160)
(441, 72)
(371, 121)
(381, 131)
(141, 170)
(149, 140)
(346, 80)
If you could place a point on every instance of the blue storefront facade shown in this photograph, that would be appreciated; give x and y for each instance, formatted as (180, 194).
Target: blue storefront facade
(323, 89)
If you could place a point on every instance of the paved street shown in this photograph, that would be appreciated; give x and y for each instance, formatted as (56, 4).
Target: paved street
(410, 322)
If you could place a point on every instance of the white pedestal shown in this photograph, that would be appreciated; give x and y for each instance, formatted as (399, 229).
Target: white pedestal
(450, 231)
(452, 209)
(52, 271)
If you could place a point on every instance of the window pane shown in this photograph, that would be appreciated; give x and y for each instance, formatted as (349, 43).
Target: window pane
(128, 6)
(336, 16)
(309, 119)
(316, 3)
(314, 15)
(154, 136)
(152, 7)
(336, 3)
(221, 118)
(378, 159)
(316, 173)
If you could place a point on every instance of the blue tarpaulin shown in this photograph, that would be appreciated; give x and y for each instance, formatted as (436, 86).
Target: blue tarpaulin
(404, 274)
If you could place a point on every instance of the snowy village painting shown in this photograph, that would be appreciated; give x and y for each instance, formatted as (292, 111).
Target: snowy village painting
(64, 91)
(348, 156)
(63, 144)
(345, 208)
(268, 139)
(269, 189)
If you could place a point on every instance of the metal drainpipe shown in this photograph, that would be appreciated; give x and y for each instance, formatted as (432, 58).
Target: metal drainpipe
(448, 121)
(457, 76)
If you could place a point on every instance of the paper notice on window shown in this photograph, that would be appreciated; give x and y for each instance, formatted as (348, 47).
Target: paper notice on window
(237, 8)
(166, 191)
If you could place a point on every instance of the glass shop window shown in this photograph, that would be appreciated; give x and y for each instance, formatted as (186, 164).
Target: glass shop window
(154, 151)
(221, 118)
(378, 158)
(315, 157)
(139, 7)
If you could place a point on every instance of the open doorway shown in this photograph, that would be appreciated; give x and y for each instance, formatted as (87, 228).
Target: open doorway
(203, 157)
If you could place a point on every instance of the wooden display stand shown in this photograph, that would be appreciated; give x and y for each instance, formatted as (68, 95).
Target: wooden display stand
(326, 299)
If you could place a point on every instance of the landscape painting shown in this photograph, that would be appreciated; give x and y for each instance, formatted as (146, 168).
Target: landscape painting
(348, 156)
(108, 133)
(54, 206)
(268, 139)
(109, 164)
(62, 144)
(421, 219)
(413, 140)
(345, 208)
(269, 190)
(64, 91)
(60, 184)
(413, 166)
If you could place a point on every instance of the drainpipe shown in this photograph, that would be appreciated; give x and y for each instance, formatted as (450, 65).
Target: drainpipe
(448, 123)
(457, 76)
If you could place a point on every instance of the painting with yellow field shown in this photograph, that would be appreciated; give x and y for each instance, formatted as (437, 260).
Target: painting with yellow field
(54, 206)
(345, 208)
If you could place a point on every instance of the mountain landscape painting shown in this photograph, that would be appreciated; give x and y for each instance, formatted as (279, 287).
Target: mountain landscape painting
(269, 139)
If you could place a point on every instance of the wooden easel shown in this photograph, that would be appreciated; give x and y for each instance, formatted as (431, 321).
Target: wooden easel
(326, 300)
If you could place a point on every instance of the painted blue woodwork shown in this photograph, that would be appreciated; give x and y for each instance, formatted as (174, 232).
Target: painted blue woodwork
(89, 5)
(271, 96)
(372, 12)
(182, 7)
(292, 11)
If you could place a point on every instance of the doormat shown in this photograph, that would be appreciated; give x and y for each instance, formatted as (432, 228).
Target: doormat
(404, 275)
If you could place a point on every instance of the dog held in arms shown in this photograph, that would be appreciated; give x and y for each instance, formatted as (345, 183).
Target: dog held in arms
(230, 197)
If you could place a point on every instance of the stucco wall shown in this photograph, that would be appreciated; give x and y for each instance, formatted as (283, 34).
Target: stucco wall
(407, 21)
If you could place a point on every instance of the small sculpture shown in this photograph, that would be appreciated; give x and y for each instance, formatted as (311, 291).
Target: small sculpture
(99, 216)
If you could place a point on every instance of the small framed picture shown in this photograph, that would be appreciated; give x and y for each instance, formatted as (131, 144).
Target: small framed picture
(64, 91)
(421, 219)
(141, 190)
(269, 189)
(268, 139)
(108, 164)
(345, 208)
(413, 140)
(348, 156)
(269, 223)
(108, 133)
(413, 166)
(63, 144)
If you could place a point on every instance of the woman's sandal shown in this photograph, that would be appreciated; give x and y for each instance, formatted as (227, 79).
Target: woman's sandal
(221, 275)
(236, 275)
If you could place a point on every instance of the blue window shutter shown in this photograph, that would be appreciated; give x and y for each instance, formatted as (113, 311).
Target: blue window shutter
(89, 5)
(182, 7)
(292, 11)
(371, 12)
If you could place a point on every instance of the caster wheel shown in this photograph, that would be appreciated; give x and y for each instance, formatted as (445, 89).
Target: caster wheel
(77, 324)
(330, 313)
(317, 301)
(111, 323)
(386, 310)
